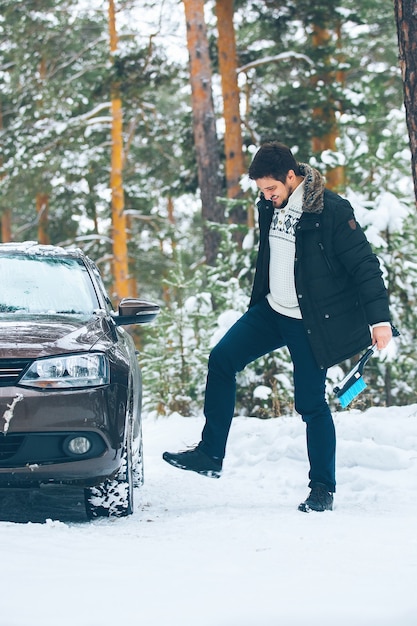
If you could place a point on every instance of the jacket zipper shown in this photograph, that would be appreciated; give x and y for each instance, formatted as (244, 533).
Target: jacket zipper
(326, 258)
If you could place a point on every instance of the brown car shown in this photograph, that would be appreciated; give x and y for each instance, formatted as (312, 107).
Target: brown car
(70, 383)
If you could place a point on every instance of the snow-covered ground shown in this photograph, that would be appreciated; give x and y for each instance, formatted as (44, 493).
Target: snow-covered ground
(234, 551)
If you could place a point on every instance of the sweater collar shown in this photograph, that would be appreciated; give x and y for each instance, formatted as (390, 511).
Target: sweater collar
(296, 199)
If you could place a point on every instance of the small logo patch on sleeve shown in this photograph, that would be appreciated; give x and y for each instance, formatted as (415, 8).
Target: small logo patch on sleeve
(352, 224)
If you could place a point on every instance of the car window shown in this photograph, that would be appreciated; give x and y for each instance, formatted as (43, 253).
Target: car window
(45, 285)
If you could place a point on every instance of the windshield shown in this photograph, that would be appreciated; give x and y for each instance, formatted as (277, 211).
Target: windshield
(45, 285)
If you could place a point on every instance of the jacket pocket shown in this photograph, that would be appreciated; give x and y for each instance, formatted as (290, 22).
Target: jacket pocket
(345, 326)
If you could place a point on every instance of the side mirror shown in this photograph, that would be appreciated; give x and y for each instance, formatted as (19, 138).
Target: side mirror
(134, 311)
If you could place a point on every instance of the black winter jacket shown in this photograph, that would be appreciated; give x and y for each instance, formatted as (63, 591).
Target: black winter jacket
(337, 276)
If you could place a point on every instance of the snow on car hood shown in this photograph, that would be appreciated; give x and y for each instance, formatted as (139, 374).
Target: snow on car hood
(46, 335)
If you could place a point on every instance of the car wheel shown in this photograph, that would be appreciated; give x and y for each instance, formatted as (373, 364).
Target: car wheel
(113, 497)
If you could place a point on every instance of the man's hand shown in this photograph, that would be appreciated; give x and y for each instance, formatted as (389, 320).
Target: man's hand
(381, 335)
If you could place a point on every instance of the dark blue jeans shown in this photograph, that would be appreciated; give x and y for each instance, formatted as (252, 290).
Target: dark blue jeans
(258, 332)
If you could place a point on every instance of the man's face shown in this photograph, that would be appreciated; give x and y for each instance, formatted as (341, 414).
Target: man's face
(275, 190)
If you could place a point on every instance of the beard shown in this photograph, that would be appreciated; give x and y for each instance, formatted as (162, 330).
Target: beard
(281, 205)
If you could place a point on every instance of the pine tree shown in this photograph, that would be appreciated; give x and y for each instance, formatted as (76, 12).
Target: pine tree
(177, 348)
(46, 80)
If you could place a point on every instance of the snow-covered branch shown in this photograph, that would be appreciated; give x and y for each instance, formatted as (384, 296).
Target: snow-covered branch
(283, 56)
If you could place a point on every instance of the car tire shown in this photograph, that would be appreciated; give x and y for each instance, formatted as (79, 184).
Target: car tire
(113, 497)
(137, 465)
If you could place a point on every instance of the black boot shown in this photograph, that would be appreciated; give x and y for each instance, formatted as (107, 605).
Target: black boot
(195, 460)
(320, 499)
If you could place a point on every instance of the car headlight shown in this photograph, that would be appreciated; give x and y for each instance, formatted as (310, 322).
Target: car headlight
(76, 370)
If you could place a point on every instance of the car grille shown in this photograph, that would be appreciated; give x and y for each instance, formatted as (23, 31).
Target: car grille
(9, 446)
(11, 369)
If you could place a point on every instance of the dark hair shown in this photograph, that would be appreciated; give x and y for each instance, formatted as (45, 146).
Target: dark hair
(274, 160)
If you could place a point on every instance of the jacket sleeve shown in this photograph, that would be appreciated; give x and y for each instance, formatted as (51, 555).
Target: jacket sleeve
(355, 253)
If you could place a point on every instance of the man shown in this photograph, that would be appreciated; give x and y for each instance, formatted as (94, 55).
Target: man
(318, 290)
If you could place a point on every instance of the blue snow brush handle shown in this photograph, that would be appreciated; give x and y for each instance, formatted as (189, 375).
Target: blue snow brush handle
(353, 383)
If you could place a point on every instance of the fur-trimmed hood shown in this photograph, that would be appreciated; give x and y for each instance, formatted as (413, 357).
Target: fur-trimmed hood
(313, 189)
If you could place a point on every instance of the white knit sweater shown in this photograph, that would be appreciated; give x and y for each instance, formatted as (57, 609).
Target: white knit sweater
(283, 297)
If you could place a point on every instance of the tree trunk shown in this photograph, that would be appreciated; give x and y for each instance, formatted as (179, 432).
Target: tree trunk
(120, 253)
(42, 198)
(406, 16)
(42, 207)
(204, 125)
(234, 163)
(6, 218)
(226, 45)
(6, 226)
(327, 114)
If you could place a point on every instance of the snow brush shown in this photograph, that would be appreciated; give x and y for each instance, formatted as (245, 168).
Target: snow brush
(353, 383)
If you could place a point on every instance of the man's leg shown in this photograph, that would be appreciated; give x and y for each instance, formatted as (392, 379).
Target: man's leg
(310, 402)
(254, 334)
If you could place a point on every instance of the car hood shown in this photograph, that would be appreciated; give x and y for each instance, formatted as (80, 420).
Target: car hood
(49, 335)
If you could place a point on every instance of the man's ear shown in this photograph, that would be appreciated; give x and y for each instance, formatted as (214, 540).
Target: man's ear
(291, 176)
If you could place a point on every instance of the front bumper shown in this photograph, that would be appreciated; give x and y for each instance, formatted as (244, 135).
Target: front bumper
(34, 438)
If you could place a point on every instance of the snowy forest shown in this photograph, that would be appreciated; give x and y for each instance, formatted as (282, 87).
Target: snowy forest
(127, 127)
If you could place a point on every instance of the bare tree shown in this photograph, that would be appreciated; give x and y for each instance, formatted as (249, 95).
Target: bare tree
(406, 17)
(325, 113)
(234, 161)
(204, 125)
(42, 211)
(6, 216)
(226, 45)
(120, 255)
